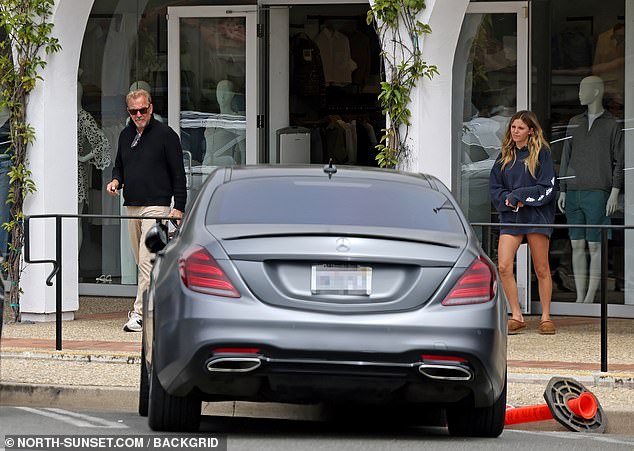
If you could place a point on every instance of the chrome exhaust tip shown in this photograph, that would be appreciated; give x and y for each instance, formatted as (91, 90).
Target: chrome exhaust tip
(445, 372)
(232, 364)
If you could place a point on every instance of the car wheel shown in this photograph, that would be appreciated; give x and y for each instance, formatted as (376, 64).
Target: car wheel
(469, 421)
(144, 385)
(171, 413)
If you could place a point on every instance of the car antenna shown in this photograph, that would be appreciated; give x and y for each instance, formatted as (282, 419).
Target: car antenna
(330, 169)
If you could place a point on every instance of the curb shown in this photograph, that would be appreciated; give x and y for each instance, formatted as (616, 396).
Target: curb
(515, 375)
(625, 380)
(73, 356)
(68, 396)
(118, 399)
(543, 376)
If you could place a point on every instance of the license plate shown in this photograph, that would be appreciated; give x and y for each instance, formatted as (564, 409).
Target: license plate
(341, 279)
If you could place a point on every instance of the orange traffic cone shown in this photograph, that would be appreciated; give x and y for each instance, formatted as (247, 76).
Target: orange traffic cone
(585, 406)
(568, 402)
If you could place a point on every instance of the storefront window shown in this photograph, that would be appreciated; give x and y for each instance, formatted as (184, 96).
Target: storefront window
(579, 52)
(578, 80)
(485, 97)
(213, 79)
(125, 46)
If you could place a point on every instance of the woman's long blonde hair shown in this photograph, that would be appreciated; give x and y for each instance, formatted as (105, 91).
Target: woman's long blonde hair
(536, 141)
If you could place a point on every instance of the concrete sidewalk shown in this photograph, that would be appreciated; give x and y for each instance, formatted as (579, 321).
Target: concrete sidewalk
(99, 362)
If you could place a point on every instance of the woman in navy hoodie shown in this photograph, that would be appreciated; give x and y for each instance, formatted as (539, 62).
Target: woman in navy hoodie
(522, 187)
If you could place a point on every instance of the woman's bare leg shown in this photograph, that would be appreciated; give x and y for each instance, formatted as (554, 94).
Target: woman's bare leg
(538, 244)
(507, 248)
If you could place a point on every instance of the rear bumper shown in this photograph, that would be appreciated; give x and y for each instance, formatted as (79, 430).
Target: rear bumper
(307, 380)
(311, 357)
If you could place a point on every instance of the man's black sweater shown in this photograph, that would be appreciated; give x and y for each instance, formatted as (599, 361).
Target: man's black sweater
(152, 171)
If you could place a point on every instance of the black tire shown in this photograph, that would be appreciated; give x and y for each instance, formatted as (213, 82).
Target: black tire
(171, 413)
(468, 421)
(144, 385)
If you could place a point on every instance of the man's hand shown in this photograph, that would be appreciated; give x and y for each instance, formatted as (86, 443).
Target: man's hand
(113, 187)
(176, 214)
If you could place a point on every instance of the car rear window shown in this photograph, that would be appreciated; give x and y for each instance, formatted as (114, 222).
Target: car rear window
(286, 200)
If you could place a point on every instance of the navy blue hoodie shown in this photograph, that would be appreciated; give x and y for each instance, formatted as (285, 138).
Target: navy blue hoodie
(516, 184)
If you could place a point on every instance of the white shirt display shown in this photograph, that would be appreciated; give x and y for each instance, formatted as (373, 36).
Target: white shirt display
(334, 48)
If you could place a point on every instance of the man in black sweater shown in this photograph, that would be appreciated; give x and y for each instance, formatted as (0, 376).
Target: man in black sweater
(149, 167)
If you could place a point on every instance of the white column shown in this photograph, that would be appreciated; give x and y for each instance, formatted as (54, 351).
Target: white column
(52, 159)
(430, 132)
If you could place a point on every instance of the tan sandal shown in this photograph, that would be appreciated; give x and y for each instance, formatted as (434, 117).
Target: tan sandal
(515, 326)
(547, 327)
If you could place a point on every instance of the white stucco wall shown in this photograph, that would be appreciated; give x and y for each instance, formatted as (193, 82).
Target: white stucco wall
(52, 111)
(430, 132)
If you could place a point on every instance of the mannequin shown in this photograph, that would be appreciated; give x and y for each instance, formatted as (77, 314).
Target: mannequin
(92, 148)
(225, 146)
(591, 175)
(225, 94)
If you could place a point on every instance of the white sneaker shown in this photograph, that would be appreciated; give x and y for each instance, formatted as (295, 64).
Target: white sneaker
(134, 324)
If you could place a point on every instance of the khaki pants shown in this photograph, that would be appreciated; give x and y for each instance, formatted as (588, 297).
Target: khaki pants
(137, 229)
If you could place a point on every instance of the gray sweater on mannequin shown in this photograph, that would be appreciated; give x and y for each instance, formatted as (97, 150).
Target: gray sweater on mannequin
(592, 159)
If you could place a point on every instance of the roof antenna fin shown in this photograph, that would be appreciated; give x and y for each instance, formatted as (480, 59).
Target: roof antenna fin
(330, 169)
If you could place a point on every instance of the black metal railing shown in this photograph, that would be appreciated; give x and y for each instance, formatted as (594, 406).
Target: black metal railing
(57, 262)
(604, 268)
(488, 226)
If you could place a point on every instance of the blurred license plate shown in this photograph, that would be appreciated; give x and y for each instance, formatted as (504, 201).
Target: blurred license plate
(341, 279)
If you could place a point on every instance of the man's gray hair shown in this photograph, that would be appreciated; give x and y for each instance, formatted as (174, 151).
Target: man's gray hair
(138, 93)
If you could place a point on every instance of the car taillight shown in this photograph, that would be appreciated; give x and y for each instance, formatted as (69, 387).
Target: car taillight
(443, 358)
(476, 286)
(200, 272)
(236, 350)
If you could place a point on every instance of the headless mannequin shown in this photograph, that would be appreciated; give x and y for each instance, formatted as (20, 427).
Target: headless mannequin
(587, 276)
(81, 159)
(222, 143)
(91, 139)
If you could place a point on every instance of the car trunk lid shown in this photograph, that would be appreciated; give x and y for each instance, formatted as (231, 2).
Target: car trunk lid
(340, 269)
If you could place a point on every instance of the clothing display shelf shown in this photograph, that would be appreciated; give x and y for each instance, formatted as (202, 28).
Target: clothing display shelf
(198, 119)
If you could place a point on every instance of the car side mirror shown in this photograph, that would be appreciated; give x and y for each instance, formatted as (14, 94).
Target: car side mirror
(156, 238)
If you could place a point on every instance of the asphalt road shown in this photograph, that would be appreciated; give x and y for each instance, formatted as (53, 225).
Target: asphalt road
(240, 434)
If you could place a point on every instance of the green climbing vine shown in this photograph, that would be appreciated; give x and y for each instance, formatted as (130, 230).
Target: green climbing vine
(28, 38)
(400, 35)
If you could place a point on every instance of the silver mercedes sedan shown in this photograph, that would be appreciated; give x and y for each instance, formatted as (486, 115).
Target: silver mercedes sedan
(312, 284)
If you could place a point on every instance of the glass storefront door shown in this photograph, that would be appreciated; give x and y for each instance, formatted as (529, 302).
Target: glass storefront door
(490, 84)
(212, 99)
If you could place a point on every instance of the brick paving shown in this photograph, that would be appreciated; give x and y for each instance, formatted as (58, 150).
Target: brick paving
(558, 365)
(71, 345)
